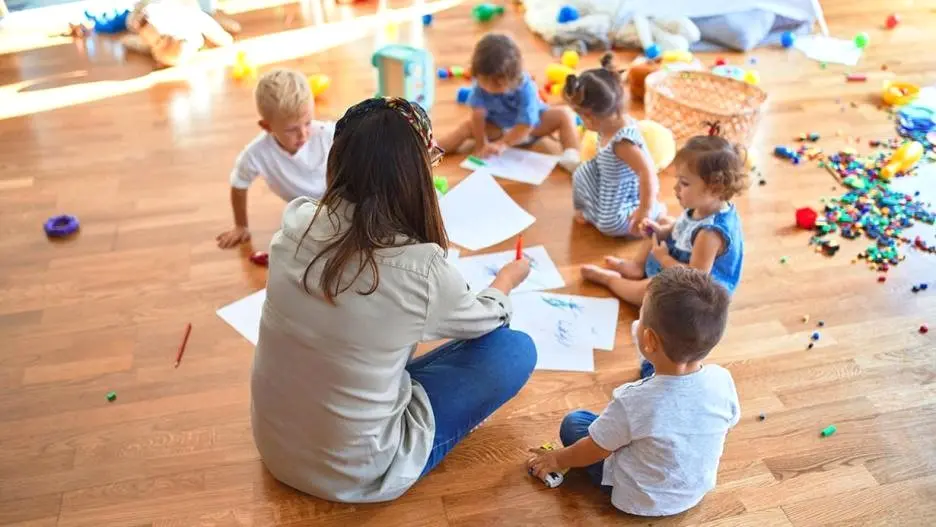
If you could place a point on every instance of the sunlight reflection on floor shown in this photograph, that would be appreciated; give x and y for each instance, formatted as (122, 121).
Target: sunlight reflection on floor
(27, 97)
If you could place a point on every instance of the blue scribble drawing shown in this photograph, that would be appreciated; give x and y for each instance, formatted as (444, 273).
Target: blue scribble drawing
(531, 259)
(491, 270)
(564, 333)
(570, 305)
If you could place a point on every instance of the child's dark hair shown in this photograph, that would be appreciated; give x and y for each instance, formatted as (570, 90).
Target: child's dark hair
(719, 163)
(497, 56)
(688, 311)
(598, 91)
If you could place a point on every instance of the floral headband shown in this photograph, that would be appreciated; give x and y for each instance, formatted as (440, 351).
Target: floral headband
(413, 113)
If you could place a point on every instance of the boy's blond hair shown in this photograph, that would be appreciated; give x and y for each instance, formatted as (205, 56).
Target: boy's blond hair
(281, 93)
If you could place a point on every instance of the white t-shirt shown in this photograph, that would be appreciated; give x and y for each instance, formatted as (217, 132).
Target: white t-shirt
(288, 176)
(667, 434)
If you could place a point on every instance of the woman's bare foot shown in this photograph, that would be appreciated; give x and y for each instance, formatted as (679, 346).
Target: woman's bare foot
(599, 275)
(580, 217)
(627, 268)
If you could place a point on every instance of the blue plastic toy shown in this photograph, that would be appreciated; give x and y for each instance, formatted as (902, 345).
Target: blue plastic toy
(652, 52)
(113, 22)
(442, 73)
(567, 13)
(787, 39)
(407, 72)
(427, 19)
(463, 93)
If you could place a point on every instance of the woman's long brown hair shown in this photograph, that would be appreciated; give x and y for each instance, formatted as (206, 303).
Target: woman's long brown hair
(380, 165)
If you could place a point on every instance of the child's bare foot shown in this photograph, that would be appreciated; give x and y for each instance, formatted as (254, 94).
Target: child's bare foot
(580, 217)
(628, 268)
(599, 275)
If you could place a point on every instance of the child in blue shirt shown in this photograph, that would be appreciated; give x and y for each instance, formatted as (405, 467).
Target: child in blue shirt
(707, 236)
(507, 109)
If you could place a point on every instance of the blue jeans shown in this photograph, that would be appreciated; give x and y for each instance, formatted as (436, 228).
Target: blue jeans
(467, 380)
(574, 427)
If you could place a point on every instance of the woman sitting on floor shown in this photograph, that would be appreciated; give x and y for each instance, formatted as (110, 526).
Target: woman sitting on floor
(339, 409)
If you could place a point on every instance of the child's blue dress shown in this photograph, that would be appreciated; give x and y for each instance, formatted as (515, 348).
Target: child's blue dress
(727, 267)
(521, 106)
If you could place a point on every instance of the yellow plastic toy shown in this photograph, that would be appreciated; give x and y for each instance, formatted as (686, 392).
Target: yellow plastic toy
(898, 93)
(243, 68)
(556, 89)
(660, 142)
(557, 73)
(676, 55)
(318, 83)
(570, 58)
(903, 159)
(659, 139)
(752, 77)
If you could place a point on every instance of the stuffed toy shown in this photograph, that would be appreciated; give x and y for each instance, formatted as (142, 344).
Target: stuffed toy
(172, 31)
(607, 23)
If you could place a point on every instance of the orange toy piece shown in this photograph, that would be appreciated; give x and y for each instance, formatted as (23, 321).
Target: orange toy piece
(898, 93)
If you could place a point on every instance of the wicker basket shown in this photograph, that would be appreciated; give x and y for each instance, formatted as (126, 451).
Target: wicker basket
(684, 101)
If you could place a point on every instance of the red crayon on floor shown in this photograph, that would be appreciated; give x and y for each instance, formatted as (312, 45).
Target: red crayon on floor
(856, 77)
(519, 247)
(188, 331)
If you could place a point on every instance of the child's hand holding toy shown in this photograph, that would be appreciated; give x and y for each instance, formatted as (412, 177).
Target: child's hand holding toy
(660, 251)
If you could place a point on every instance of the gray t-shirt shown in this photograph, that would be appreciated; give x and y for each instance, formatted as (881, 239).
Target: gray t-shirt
(667, 434)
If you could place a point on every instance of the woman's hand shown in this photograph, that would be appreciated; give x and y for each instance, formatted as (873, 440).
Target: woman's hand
(511, 275)
(543, 464)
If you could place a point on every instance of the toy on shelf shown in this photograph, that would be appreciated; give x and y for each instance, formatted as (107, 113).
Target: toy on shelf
(898, 93)
(110, 23)
(318, 83)
(903, 159)
(567, 13)
(405, 71)
(243, 68)
(486, 12)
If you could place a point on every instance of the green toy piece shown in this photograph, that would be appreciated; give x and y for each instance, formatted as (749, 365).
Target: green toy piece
(485, 12)
(441, 184)
(111, 396)
(827, 431)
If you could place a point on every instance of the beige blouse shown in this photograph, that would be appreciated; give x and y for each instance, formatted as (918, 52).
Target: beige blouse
(334, 412)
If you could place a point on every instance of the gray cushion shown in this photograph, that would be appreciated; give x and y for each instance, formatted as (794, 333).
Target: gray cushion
(739, 31)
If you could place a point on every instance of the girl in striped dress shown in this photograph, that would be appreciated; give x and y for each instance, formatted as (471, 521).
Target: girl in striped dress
(617, 189)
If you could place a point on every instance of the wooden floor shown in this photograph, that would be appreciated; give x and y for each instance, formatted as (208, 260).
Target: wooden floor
(144, 164)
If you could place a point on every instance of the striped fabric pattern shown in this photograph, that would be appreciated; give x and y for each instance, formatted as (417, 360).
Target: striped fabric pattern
(606, 189)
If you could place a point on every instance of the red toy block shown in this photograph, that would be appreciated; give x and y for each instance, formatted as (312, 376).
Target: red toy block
(806, 218)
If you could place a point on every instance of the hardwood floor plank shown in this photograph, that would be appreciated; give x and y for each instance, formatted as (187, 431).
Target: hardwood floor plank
(143, 159)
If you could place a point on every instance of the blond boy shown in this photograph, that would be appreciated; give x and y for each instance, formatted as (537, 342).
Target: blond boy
(290, 153)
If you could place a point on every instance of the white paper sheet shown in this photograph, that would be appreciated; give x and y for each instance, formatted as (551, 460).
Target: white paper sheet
(563, 339)
(828, 49)
(244, 315)
(480, 270)
(478, 213)
(520, 165)
(600, 315)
